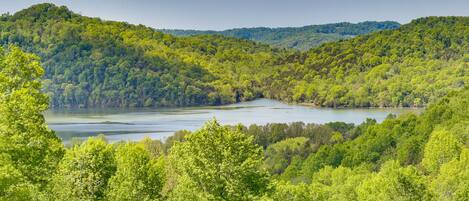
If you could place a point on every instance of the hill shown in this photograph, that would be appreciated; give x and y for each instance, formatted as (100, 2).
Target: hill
(90, 62)
(94, 63)
(410, 66)
(301, 38)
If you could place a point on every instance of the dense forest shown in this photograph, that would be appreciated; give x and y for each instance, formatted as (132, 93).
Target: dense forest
(409, 66)
(301, 38)
(90, 62)
(409, 157)
(94, 63)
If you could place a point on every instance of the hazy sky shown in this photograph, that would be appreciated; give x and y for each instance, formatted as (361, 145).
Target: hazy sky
(223, 14)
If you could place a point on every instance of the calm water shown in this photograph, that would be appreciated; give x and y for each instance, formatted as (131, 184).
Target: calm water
(158, 123)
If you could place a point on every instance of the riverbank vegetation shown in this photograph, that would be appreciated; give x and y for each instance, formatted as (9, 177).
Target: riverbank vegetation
(94, 63)
(409, 157)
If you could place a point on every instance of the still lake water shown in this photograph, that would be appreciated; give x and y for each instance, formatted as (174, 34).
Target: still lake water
(158, 123)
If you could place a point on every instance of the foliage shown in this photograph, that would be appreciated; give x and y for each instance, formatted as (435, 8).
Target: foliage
(287, 191)
(29, 150)
(301, 38)
(89, 62)
(221, 163)
(138, 177)
(224, 163)
(410, 66)
(317, 134)
(409, 157)
(13, 185)
(84, 172)
(440, 148)
(394, 183)
(453, 181)
(279, 155)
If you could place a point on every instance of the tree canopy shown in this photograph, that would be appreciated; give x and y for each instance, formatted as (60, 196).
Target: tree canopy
(90, 62)
(29, 150)
(301, 38)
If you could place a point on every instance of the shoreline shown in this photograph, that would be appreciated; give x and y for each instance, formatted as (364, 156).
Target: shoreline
(305, 104)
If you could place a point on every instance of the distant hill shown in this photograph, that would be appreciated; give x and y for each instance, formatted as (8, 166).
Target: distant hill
(301, 38)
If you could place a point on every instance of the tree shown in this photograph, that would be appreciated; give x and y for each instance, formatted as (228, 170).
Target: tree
(84, 172)
(279, 155)
(138, 177)
(441, 148)
(453, 181)
(288, 191)
(221, 163)
(14, 185)
(339, 183)
(32, 147)
(155, 148)
(393, 182)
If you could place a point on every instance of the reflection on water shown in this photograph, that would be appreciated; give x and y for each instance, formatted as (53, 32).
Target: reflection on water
(158, 123)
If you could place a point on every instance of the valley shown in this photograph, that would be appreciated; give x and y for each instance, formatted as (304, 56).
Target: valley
(94, 109)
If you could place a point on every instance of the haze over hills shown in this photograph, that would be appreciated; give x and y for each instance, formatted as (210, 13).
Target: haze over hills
(301, 38)
(90, 62)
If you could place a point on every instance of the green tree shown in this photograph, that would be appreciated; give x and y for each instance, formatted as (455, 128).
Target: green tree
(222, 163)
(287, 191)
(33, 148)
(393, 182)
(84, 172)
(279, 155)
(138, 177)
(14, 185)
(453, 181)
(441, 148)
(339, 183)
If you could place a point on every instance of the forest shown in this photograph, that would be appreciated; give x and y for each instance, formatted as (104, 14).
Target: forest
(52, 57)
(407, 157)
(89, 62)
(301, 38)
(409, 66)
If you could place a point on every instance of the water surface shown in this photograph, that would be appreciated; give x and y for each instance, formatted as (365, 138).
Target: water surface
(159, 123)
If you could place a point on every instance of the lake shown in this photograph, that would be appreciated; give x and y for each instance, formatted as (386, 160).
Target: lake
(158, 123)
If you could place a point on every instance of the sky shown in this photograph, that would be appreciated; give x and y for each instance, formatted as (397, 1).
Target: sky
(226, 14)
